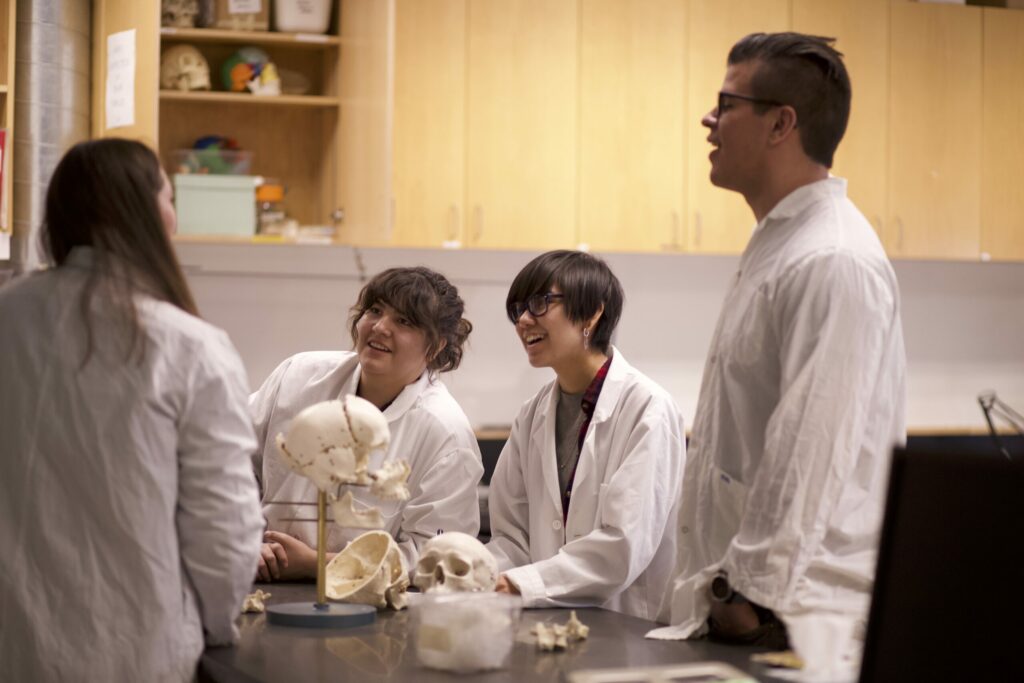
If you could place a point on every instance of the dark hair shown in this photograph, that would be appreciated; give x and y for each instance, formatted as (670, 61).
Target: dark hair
(103, 194)
(587, 283)
(432, 304)
(808, 74)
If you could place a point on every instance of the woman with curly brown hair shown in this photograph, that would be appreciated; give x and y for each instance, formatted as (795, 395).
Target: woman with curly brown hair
(407, 328)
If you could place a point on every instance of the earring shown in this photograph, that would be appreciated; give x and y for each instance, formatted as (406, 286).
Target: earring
(586, 338)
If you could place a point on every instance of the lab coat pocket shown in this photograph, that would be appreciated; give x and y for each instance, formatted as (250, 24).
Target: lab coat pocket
(729, 498)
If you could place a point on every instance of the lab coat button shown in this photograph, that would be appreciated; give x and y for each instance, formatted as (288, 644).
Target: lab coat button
(685, 529)
(556, 525)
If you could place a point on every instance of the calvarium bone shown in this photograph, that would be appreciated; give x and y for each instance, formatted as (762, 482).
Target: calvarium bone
(455, 562)
(369, 571)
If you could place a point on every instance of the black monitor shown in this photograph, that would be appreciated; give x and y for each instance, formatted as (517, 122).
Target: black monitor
(948, 599)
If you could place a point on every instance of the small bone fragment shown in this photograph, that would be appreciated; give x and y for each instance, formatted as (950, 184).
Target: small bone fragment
(254, 602)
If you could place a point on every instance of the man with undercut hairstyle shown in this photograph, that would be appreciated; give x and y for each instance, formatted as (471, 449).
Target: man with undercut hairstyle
(803, 395)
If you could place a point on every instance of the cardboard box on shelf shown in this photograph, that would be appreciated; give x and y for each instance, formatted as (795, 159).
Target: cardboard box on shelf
(242, 15)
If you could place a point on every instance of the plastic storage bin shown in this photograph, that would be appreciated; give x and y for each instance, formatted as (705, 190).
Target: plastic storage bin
(465, 632)
(211, 160)
(216, 204)
(302, 16)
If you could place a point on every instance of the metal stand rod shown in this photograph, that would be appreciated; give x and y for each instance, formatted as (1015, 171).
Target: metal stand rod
(321, 550)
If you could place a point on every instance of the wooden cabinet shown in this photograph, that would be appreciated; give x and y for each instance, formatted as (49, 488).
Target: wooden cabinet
(1002, 187)
(521, 116)
(719, 221)
(7, 24)
(935, 132)
(299, 138)
(862, 31)
(429, 179)
(632, 103)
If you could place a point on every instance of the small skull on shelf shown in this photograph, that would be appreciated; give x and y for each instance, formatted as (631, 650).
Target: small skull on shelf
(179, 13)
(183, 67)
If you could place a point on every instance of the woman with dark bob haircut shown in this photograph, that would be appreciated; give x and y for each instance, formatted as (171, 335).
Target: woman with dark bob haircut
(407, 327)
(585, 492)
(130, 512)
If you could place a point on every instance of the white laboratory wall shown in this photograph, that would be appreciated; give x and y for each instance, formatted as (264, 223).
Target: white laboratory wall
(963, 322)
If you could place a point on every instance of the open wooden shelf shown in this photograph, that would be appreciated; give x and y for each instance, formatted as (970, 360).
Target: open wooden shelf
(312, 41)
(247, 99)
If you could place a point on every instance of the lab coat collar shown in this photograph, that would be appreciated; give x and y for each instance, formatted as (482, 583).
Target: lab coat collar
(402, 403)
(542, 436)
(805, 195)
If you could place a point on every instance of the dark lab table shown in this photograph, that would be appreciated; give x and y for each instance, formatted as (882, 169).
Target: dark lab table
(385, 649)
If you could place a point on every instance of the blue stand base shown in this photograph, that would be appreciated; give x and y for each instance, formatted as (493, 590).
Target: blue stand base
(311, 615)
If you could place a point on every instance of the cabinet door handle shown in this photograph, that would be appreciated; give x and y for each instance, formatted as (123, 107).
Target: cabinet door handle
(698, 225)
(899, 234)
(675, 230)
(453, 225)
(478, 220)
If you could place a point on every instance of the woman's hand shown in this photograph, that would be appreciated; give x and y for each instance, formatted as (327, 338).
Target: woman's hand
(506, 586)
(299, 559)
(273, 559)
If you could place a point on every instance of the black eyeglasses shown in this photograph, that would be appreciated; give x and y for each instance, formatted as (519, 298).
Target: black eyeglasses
(537, 305)
(746, 98)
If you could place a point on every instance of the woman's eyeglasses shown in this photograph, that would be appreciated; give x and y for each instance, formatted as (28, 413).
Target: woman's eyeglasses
(537, 305)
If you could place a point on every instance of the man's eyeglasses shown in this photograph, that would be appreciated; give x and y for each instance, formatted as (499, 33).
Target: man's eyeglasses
(537, 305)
(722, 95)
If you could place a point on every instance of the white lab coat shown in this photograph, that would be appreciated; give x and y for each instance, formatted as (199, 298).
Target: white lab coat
(802, 400)
(617, 547)
(129, 518)
(428, 430)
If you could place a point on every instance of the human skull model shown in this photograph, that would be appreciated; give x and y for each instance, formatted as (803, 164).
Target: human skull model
(330, 442)
(455, 562)
(180, 13)
(183, 67)
(368, 571)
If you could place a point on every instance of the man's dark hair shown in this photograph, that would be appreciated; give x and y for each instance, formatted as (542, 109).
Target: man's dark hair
(806, 73)
(586, 282)
(431, 303)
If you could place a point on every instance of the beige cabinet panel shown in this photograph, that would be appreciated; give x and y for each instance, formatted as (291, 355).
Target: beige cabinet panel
(719, 221)
(429, 122)
(861, 30)
(934, 132)
(521, 124)
(114, 16)
(632, 92)
(1002, 176)
(7, 24)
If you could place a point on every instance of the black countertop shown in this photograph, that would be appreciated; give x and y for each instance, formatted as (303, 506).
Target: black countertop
(385, 650)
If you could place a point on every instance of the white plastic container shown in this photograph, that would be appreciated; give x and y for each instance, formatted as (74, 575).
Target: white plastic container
(465, 632)
(302, 16)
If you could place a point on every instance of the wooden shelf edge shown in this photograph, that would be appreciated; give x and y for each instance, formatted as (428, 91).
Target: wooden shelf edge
(246, 99)
(312, 41)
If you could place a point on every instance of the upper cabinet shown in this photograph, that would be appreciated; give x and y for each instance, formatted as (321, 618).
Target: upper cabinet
(862, 31)
(299, 138)
(1002, 151)
(632, 105)
(429, 176)
(935, 132)
(521, 124)
(719, 221)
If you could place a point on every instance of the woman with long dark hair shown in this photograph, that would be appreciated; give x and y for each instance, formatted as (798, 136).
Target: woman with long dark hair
(129, 517)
